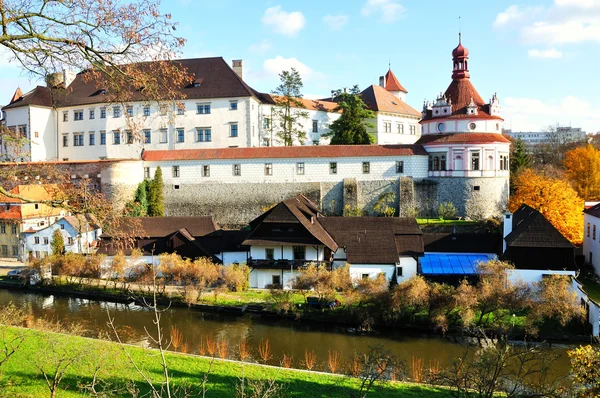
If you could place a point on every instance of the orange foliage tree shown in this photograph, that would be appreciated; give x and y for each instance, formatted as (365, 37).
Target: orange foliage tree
(554, 198)
(582, 169)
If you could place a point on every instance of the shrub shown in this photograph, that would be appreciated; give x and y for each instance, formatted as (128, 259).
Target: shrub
(447, 211)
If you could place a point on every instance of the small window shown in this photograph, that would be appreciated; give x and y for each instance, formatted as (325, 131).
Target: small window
(387, 127)
(268, 169)
(300, 168)
(65, 140)
(400, 128)
(13, 228)
(130, 111)
(70, 241)
(146, 111)
(233, 105)
(203, 135)
(92, 139)
(475, 161)
(594, 232)
(180, 135)
(233, 132)
(78, 115)
(116, 137)
(102, 138)
(299, 252)
(270, 254)
(333, 168)
(399, 166)
(163, 136)
(2, 228)
(203, 108)
(116, 112)
(365, 276)
(36, 240)
(366, 167)
(206, 170)
(65, 116)
(399, 272)
(78, 139)
(476, 188)
(36, 206)
(276, 280)
(129, 137)
(266, 123)
(146, 172)
(237, 169)
(147, 137)
(102, 113)
(15, 250)
(175, 171)
(315, 125)
(176, 187)
(588, 230)
(180, 109)
(45, 240)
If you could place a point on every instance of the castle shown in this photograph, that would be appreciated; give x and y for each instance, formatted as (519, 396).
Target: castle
(219, 154)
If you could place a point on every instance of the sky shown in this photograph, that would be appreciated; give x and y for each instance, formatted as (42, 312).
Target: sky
(539, 56)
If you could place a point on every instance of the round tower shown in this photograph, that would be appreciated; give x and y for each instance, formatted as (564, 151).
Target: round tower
(468, 155)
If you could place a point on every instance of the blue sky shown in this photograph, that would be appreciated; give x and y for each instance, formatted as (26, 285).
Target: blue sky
(540, 56)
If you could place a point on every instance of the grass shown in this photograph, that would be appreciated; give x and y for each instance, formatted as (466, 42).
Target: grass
(422, 221)
(20, 377)
(590, 285)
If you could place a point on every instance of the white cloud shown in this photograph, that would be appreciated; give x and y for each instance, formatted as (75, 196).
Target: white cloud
(531, 114)
(550, 53)
(514, 14)
(335, 22)
(260, 48)
(286, 23)
(561, 32)
(274, 66)
(390, 10)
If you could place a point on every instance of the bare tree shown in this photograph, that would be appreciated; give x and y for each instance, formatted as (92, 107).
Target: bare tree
(373, 367)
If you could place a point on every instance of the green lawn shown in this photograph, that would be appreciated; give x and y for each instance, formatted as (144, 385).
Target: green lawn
(422, 221)
(20, 378)
(590, 285)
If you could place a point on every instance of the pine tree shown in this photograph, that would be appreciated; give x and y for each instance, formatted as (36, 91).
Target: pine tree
(138, 207)
(156, 207)
(351, 127)
(58, 243)
(520, 159)
(287, 110)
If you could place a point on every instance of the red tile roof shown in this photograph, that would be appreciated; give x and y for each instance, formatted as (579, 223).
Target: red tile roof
(392, 83)
(320, 151)
(39, 96)
(313, 104)
(14, 213)
(378, 99)
(462, 138)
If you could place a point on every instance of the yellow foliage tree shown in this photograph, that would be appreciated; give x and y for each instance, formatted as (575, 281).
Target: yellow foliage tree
(582, 168)
(552, 197)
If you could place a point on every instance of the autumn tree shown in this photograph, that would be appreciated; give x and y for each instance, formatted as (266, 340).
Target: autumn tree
(585, 368)
(582, 169)
(288, 110)
(410, 297)
(351, 127)
(554, 198)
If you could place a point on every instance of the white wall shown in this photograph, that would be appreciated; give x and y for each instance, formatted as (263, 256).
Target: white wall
(283, 252)
(533, 275)
(394, 137)
(591, 246)
(462, 125)
(260, 278)
(43, 123)
(229, 258)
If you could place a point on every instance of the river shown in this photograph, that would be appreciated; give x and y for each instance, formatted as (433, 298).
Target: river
(291, 338)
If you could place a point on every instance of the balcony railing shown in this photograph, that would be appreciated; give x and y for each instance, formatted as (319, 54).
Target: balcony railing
(285, 264)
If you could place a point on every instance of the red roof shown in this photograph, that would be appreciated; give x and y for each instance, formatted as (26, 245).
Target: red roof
(318, 151)
(392, 83)
(462, 138)
(14, 213)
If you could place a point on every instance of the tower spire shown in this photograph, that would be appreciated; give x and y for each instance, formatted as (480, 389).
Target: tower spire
(459, 32)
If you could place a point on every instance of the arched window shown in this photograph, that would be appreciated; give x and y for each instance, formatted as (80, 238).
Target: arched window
(458, 163)
(430, 163)
(443, 163)
(490, 162)
(436, 163)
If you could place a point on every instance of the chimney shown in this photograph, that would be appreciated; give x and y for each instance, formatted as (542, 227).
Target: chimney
(68, 77)
(54, 79)
(237, 67)
(508, 226)
(382, 81)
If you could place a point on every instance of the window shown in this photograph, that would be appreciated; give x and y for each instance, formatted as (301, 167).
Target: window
(2, 228)
(443, 163)
(594, 232)
(588, 230)
(45, 240)
(146, 111)
(503, 162)
(387, 127)
(129, 137)
(366, 167)
(268, 169)
(4, 250)
(147, 137)
(65, 140)
(36, 240)
(315, 126)
(299, 252)
(300, 168)
(266, 123)
(270, 254)
(102, 138)
(92, 138)
(399, 166)
(13, 228)
(116, 111)
(163, 136)
(37, 206)
(116, 137)
(233, 132)
(23, 131)
(15, 250)
(146, 172)
(413, 129)
(206, 170)
(203, 135)
(365, 276)
(237, 169)
(400, 128)
(333, 168)
(315, 142)
(35, 134)
(474, 160)
(436, 163)
(92, 113)
(180, 109)
(203, 108)
(476, 188)
(175, 171)
(78, 115)
(276, 280)
(78, 139)
(180, 135)
(102, 113)
(399, 271)
(233, 105)
(70, 241)
(65, 116)
(130, 111)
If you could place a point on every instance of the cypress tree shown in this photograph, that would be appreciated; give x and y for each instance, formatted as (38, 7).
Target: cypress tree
(58, 243)
(156, 207)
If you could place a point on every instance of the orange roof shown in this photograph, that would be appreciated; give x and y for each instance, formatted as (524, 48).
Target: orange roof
(33, 192)
(315, 105)
(14, 213)
(279, 152)
(378, 99)
(392, 83)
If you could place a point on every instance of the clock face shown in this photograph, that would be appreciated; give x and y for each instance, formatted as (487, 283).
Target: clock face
(441, 127)
(472, 126)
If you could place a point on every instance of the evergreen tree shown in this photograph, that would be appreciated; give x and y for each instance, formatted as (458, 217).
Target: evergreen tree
(156, 207)
(520, 159)
(287, 110)
(58, 243)
(138, 207)
(351, 127)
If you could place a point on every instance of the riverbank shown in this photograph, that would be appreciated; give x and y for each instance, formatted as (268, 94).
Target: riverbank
(20, 376)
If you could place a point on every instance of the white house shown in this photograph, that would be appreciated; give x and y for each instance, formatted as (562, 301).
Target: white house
(591, 237)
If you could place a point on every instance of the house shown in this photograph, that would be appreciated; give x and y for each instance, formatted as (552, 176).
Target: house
(18, 216)
(80, 235)
(591, 236)
(536, 247)
(285, 238)
(375, 245)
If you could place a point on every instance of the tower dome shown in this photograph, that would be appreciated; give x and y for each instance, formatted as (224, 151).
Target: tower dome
(460, 60)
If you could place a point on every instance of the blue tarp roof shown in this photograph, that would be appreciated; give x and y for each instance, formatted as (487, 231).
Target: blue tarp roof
(451, 263)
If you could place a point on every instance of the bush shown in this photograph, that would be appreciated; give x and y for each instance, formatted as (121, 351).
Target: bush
(447, 211)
